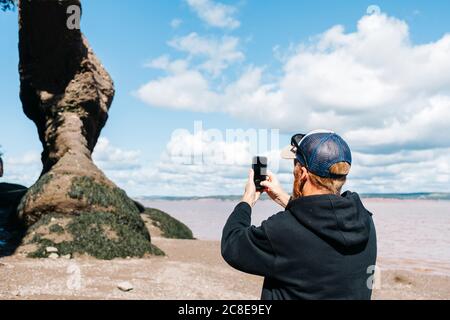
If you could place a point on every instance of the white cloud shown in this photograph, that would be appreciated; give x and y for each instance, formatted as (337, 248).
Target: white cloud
(402, 172)
(378, 89)
(219, 53)
(192, 164)
(215, 14)
(164, 63)
(424, 129)
(187, 90)
(24, 169)
(175, 23)
(201, 164)
(389, 97)
(108, 157)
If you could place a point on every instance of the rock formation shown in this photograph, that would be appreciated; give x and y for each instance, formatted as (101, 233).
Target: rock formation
(67, 93)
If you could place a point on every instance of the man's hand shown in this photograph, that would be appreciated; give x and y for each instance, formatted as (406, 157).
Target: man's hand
(275, 191)
(251, 196)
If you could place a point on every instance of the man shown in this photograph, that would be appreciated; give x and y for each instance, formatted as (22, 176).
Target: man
(323, 246)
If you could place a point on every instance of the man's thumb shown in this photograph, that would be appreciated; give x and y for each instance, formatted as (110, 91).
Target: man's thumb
(265, 184)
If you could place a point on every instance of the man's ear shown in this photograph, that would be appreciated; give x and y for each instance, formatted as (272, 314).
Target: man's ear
(305, 173)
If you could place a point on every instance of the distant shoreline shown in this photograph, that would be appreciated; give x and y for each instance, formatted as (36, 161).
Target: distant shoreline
(372, 196)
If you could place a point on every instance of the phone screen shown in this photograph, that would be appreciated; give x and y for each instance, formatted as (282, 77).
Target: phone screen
(260, 168)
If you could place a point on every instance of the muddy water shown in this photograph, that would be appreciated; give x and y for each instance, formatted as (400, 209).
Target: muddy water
(412, 232)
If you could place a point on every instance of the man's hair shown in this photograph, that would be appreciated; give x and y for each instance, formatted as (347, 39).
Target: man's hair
(329, 184)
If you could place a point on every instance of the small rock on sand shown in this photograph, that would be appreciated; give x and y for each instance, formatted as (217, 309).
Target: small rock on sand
(16, 293)
(51, 250)
(125, 286)
(53, 256)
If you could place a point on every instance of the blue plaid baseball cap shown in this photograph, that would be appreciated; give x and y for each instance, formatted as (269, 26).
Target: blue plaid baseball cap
(318, 151)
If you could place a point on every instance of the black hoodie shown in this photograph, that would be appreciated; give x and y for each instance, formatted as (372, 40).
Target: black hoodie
(321, 247)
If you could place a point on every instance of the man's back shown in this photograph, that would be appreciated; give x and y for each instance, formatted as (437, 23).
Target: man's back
(321, 247)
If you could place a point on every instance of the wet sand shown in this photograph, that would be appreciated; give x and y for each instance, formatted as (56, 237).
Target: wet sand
(192, 270)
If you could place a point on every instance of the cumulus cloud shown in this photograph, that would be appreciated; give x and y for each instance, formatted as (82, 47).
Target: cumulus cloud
(24, 169)
(402, 172)
(192, 164)
(389, 97)
(109, 157)
(205, 163)
(199, 164)
(219, 53)
(215, 14)
(166, 64)
(377, 88)
(188, 87)
(188, 90)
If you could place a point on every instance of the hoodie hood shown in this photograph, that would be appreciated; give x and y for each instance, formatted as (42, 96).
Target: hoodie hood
(340, 220)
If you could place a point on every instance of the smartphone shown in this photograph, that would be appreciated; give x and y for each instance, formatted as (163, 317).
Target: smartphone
(260, 168)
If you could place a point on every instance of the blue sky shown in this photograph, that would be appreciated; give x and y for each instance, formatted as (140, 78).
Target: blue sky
(212, 45)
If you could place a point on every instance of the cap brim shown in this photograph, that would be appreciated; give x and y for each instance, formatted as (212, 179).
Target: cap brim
(288, 153)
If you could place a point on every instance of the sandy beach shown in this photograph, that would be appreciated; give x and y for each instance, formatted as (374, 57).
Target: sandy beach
(192, 270)
(413, 260)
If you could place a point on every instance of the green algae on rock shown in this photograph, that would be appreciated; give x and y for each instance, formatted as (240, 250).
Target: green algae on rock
(169, 226)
